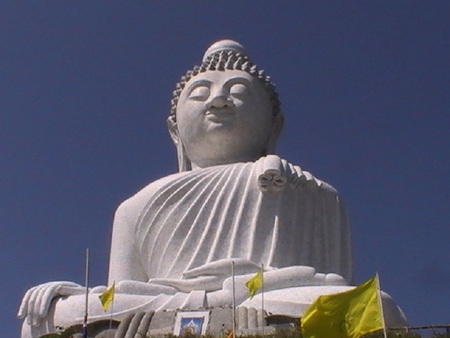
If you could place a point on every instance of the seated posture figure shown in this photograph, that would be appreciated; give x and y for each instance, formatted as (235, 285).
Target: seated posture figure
(233, 200)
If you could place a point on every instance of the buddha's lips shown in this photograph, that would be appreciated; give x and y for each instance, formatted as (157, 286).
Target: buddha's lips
(220, 113)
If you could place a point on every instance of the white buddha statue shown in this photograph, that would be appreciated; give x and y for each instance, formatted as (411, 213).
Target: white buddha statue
(232, 201)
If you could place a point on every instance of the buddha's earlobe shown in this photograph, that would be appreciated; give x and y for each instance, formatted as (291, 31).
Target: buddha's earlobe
(184, 164)
(173, 129)
(277, 127)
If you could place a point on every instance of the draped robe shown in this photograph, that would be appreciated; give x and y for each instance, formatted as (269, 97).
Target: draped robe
(269, 212)
(193, 218)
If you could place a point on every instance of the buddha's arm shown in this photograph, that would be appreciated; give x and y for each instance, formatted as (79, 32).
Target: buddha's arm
(208, 277)
(36, 302)
(275, 279)
(123, 266)
(133, 287)
(124, 261)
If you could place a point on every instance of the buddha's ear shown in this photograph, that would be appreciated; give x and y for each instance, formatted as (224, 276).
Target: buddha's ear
(184, 164)
(277, 127)
(173, 129)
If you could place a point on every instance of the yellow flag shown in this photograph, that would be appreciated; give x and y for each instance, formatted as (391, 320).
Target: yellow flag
(254, 284)
(107, 297)
(348, 314)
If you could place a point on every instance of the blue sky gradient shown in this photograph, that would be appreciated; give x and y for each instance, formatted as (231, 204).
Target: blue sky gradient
(85, 91)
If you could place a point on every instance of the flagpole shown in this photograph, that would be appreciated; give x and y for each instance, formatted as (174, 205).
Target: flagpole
(233, 301)
(112, 307)
(262, 298)
(380, 303)
(86, 282)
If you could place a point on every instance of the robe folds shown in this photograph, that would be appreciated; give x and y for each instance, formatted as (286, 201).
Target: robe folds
(269, 212)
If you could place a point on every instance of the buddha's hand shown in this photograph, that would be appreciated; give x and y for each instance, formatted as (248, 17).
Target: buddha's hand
(36, 302)
(210, 276)
(275, 279)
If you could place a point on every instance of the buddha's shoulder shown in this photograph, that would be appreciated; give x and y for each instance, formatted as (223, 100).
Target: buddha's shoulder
(305, 179)
(135, 203)
(327, 188)
(308, 182)
(143, 195)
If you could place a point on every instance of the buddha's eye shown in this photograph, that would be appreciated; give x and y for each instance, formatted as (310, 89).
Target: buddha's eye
(239, 90)
(200, 93)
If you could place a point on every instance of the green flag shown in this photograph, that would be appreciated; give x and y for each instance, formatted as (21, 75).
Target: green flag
(255, 283)
(349, 314)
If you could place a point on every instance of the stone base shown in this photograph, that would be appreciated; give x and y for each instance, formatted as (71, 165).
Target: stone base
(219, 322)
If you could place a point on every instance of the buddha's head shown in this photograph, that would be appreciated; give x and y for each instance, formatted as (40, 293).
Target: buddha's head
(224, 111)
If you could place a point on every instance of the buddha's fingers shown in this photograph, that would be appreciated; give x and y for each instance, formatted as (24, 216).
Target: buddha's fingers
(222, 267)
(39, 311)
(48, 292)
(36, 302)
(207, 283)
(31, 310)
(45, 297)
(23, 309)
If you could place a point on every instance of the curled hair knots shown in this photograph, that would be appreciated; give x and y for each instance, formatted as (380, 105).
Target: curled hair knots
(227, 60)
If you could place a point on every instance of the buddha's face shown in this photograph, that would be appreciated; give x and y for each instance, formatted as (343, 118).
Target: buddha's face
(223, 117)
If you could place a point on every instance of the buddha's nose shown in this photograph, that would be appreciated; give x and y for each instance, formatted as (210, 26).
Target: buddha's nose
(219, 101)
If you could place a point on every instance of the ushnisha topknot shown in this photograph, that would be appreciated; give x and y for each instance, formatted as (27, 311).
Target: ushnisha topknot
(227, 55)
(221, 45)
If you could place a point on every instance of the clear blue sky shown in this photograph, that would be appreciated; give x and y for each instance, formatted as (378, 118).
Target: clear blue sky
(85, 89)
